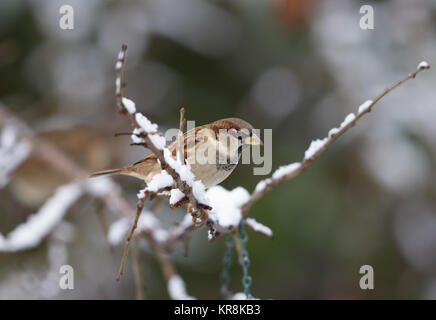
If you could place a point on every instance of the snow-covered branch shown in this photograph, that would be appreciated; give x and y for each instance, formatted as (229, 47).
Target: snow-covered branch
(226, 207)
(176, 174)
(318, 146)
(230, 208)
(258, 227)
(146, 133)
(30, 233)
(13, 151)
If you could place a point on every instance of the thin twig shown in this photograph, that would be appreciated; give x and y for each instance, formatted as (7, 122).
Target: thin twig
(139, 208)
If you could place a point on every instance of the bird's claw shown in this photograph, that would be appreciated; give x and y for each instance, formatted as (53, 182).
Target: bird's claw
(203, 217)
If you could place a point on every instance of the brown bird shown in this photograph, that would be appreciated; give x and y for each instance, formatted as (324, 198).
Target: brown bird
(212, 150)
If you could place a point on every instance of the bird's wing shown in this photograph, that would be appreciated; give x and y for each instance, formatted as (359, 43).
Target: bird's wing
(189, 141)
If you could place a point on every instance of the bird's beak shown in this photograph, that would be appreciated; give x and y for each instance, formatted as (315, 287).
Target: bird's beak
(253, 140)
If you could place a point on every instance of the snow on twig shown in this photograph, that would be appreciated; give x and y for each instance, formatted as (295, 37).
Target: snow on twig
(159, 182)
(13, 151)
(30, 233)
(278, 174)
(259, 227)
(176, 196)
(129, 105)
(423, 65)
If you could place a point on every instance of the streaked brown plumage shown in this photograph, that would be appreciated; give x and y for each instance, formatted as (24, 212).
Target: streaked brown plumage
(197, 143)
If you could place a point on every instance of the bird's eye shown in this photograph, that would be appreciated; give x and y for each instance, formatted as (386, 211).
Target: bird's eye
(240, 138)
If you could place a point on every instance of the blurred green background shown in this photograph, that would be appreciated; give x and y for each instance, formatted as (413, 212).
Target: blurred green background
(296, 67)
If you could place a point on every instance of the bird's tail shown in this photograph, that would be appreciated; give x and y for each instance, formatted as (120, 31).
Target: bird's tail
(106, 172)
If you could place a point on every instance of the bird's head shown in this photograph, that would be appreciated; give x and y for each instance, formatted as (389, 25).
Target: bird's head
(237, 129)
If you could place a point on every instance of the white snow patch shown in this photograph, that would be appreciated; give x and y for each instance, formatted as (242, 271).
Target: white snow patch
(314, 147)
(135, 137)
(177, 289)
(117, 85)
(348, 119)
(226, 205)
(262, 184)
(176, 196)
(183, 170)
(159, 181)
(158, 141)
(423, 65)
(259, 227)
(145, 124)
(332, 132)
(285, 170)
(279, 173)
(13, 151)
(199, 192)
(364, 106)
(129, 105)
(239, 296)
(121, 55)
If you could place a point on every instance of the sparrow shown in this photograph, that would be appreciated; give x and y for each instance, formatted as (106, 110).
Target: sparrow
(212, 150)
